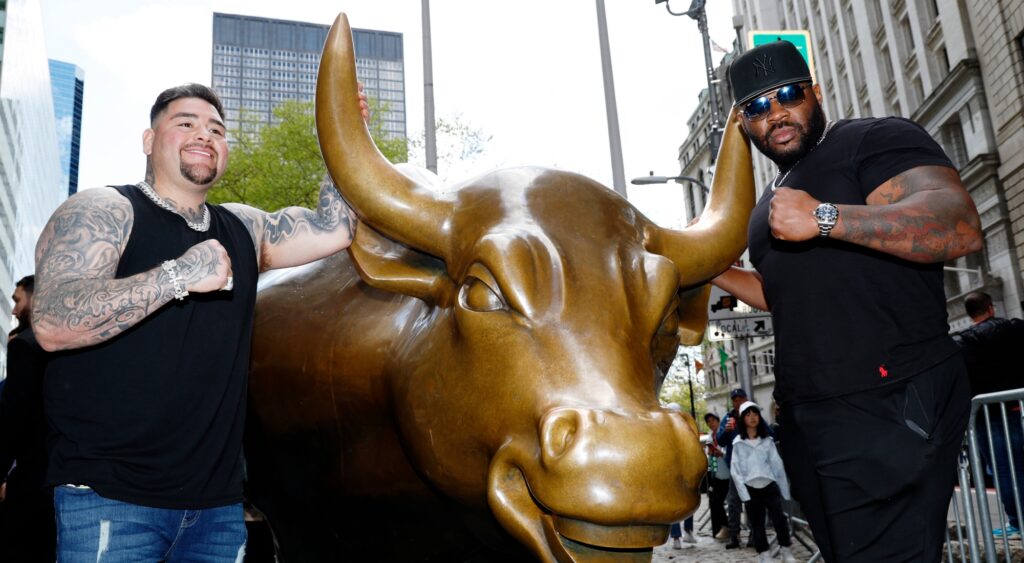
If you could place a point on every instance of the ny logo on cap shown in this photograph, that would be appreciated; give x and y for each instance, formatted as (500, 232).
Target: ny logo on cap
(763, 65)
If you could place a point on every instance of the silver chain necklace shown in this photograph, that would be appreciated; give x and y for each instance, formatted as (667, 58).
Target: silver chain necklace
(778, 181)
(202, 227)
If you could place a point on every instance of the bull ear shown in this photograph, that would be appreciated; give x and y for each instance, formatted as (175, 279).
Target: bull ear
(693, 314)
(391, 266)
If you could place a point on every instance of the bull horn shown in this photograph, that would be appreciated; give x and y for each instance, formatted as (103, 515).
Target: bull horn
(708, 247)
(391, 202)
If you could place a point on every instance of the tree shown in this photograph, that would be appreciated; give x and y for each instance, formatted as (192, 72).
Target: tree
(458, 143)
(281, 165)
(677, 385)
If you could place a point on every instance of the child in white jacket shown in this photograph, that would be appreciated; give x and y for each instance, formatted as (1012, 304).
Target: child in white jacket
(760, 481)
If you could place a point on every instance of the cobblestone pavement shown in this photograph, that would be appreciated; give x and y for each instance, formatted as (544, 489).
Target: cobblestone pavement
(708, 550)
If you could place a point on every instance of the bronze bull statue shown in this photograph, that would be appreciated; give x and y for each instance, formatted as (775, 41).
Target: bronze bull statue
(475, 380)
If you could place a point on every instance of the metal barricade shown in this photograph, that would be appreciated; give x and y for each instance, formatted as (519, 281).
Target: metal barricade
(993, 445)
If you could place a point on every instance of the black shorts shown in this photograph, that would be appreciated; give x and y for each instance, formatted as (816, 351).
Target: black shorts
(874, 471)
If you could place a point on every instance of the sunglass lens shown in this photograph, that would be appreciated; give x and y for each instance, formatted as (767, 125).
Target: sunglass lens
(790, 95)
(757, 108)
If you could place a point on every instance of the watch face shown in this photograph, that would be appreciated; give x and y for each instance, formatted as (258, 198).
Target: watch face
(826, 213)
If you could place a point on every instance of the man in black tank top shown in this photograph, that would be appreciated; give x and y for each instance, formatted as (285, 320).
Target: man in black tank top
(848, 244)
(147, 292)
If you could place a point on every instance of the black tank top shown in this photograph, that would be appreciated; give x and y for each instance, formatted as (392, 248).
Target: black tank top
(155, 415)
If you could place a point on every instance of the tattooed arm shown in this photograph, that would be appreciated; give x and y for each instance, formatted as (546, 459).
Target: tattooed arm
(923, 215)
(295, 235)
(77, 301)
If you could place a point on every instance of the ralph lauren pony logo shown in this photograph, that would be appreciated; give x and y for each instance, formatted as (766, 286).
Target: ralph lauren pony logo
(764, 65)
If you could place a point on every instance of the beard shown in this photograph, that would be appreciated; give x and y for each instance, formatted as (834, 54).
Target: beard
(198, 174)
(809, 136)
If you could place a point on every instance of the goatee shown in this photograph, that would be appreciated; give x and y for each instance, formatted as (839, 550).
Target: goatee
(199, 175)
(809, 137)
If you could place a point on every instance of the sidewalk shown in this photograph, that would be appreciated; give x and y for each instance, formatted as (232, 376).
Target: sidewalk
(708, 550)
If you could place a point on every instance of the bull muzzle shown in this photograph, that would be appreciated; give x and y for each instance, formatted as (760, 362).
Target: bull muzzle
(601, 481)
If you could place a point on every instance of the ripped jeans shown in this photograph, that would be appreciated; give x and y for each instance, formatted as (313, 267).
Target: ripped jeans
(94, 529)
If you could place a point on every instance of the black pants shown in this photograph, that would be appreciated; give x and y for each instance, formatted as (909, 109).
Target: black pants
(874, 471)
(768, 499)
(717, 491)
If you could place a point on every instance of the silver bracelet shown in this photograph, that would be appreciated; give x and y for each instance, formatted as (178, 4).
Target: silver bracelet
(171, 267)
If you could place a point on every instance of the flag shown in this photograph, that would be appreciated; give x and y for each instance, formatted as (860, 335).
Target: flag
(722, 358)
(717, 47)
(698, 365)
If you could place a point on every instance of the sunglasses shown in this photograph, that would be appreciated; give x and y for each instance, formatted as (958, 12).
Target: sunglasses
(789, 96)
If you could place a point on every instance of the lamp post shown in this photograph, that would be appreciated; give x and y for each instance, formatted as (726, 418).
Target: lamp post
(652, 179)
(697, 12)
(689, 381)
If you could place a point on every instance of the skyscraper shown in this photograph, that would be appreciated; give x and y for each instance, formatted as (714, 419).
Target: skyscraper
(68, 83)
(30, 173)
(258, 63)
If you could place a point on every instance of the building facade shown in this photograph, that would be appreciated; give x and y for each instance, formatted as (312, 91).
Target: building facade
(954, 67)
(259, 63)
(31, 185)
(68, 84)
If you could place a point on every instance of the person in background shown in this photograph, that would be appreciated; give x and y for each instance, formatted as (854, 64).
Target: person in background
(718, 480)
(990, 352)
(727, 431)
(761, 482)
(684, 533)
(27, 531)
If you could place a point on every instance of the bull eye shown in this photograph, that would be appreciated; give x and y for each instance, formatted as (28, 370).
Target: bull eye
(476, 295)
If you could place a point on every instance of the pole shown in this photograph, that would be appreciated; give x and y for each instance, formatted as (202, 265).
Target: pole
(429, 134)
(614, 142)
(702, 24)
(737, 24)
(689, 380)
(746, 382)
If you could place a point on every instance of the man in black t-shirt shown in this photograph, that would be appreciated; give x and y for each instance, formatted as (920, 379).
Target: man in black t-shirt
(848, 244)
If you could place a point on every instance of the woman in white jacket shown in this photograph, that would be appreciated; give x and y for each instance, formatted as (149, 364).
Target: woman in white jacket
(760, 481)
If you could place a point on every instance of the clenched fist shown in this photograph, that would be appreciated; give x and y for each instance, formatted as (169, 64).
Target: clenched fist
(205, 267)
(791, 217)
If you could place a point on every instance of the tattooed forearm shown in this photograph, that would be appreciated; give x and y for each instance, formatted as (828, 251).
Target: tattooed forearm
(297, 235)
(923, 215)
(77, 300)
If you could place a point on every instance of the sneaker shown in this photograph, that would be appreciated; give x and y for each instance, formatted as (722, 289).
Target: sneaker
(787, 555)
(734, 542)
(723, 534)
(765, 557)
(688, 537)
(676, 544)
(1010, 532)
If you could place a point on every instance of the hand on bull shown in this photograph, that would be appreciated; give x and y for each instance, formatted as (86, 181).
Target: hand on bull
(364, 105)
(205, 267)
(791, 217)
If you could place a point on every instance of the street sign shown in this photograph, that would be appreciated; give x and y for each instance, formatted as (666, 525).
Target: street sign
(740, 326)
(801, 38)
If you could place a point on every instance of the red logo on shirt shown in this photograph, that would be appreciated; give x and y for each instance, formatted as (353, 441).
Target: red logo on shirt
(882, 371)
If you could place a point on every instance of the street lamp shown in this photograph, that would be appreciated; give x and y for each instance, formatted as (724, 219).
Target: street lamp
(652, 179)
(697, 12)
(689, 380)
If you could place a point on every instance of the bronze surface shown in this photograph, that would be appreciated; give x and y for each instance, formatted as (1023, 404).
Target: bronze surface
(475, 380)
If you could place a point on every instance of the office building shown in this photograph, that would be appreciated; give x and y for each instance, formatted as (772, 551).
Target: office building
(955, 68)
(31, 184)
(68, 84)
(259, 63)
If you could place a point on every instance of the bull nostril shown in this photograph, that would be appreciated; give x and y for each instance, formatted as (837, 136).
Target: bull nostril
(558, 432)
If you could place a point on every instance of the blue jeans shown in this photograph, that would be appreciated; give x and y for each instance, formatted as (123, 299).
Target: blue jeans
(94, 529)
(1001, 468)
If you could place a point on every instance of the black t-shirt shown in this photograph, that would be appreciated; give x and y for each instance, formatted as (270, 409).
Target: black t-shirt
(154, 416)
(848, 318)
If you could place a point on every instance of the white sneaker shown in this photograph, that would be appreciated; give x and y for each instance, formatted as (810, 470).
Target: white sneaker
(688, 537)
(765, 557)
(676, 544)
(787, 555)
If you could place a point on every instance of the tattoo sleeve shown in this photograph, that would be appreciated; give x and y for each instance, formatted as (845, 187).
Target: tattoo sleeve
(296, 235)
(77, 301)
(922, 215)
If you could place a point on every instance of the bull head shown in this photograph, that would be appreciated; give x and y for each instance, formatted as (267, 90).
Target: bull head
(554, 300)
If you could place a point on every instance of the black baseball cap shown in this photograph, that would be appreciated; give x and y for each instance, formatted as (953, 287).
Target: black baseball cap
(766, 67)
(737, 392)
